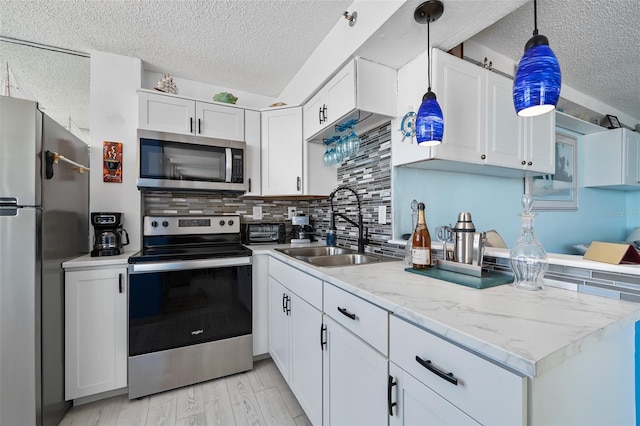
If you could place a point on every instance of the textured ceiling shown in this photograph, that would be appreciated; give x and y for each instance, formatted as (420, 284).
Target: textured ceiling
(259, 45)
(597, 46)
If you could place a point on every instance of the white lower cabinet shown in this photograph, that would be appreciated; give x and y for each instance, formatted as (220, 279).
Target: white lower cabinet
(355, 379)
(411, 402)
(294, 330)
(260, 296)
(95, 331)
(486, 392)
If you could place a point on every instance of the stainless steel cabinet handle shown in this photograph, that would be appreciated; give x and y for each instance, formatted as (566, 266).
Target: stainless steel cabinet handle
(199, 126)
(298, 183)
(120, 276)
(190, 124)
(249, 185)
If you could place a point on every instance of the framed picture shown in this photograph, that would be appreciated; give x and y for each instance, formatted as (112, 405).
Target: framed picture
(558, 191)
(611, 122)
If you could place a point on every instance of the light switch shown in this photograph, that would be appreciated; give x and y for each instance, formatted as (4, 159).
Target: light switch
(382, 215)
(257, 212)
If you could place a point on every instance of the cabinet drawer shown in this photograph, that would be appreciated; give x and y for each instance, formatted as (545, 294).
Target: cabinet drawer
(304, 285)
(486, 392)
(365, 320)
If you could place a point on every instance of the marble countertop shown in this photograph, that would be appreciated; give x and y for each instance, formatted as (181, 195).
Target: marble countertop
(529, 332)
(86, 261)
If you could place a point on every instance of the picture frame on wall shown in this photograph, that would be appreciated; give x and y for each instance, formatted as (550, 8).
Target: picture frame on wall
(558, 191)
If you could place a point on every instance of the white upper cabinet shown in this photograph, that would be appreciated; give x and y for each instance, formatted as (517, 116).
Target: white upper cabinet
(611, 159)
(461, 91)
(481, 126)
(361, 85)
(219, 121)
(167, 113)
(282, 152)
(252, 134)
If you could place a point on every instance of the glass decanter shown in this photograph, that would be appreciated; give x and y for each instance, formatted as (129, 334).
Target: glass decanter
(528, 258)
(414, 221)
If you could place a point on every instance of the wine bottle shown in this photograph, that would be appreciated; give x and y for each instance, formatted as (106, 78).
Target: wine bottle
(421, 243)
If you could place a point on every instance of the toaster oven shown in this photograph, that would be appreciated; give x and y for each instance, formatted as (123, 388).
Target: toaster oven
(264, 233)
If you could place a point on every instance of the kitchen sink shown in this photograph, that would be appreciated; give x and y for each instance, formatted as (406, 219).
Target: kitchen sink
(303, 252)
(344, 259)
(332, 256)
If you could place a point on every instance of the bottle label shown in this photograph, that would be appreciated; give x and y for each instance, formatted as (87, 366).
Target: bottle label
(421, 256)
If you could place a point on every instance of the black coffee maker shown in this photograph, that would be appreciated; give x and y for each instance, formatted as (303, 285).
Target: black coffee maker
(108, 234)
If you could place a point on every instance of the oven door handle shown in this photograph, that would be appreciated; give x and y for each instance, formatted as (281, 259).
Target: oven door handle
(181, 265)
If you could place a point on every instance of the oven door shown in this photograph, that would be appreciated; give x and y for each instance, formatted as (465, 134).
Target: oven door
(183, 303)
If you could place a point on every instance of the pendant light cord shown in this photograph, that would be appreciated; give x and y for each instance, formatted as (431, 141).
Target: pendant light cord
(428, 53)
(535, 17)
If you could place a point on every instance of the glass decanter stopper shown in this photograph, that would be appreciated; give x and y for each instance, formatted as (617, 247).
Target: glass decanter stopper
(528, 258)
(414, 221)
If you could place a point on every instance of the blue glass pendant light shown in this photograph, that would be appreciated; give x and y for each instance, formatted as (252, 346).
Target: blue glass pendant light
(429, 121)
(536, 87)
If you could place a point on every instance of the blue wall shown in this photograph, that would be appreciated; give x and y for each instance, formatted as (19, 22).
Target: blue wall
(494, 203)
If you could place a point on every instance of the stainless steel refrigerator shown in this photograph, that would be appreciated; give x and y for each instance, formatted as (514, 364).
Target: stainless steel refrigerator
(43, 222)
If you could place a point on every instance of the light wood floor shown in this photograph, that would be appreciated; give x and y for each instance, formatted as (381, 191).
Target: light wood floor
(257, 397)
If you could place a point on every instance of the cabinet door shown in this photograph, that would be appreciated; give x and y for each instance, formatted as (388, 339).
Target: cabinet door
(416, 404)
(341, 94)
(505, 133)
(314, 113)
(355, 380)
(460, 88)
(219, 121)
(253, 157)
(279, 332)
(540, 143)
(282, 152)
(166, 113)
(95, 331)
(260, 292)
(631, 153)
(306, 358)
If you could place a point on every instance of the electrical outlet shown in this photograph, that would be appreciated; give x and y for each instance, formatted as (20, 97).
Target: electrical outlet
(382, 215)
(291, 212)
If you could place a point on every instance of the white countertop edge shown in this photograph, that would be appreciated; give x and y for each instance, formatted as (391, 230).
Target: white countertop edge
(519, 363)
(87, 261)
(572, 260)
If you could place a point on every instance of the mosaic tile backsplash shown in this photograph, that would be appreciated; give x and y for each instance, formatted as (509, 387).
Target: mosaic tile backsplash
(368, 172)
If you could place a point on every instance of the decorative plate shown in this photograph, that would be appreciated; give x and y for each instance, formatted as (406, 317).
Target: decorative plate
(408, 125)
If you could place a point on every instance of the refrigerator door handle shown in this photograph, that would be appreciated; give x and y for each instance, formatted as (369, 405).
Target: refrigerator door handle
(8, 211)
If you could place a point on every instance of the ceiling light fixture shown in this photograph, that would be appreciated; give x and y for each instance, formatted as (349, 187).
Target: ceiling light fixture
(429, 121)
(536, 87)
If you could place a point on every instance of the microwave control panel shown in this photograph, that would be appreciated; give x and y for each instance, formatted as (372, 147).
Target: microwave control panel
(237, 166)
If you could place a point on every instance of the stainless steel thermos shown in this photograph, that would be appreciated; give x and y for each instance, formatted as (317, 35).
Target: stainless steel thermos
(463, 238)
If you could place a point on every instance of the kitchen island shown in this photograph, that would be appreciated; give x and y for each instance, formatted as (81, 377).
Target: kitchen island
(550, 336)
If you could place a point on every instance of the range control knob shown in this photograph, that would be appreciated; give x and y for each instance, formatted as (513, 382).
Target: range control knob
(222, 223)
(165, 223)
(230, 222)
(154, 224)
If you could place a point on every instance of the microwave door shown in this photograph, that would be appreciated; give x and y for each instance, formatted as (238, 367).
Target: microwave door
(228, 163)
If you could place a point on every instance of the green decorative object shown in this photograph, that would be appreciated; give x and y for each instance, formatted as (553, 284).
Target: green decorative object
(225, 97)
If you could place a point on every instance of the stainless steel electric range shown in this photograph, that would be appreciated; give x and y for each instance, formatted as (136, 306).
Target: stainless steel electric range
(189, 303)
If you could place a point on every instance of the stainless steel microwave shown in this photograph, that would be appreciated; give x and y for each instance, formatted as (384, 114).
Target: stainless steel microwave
(186, 162)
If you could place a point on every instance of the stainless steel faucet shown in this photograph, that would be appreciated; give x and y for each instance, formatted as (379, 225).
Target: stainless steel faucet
(363, 233)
